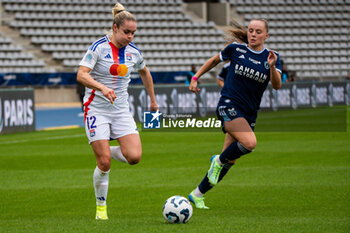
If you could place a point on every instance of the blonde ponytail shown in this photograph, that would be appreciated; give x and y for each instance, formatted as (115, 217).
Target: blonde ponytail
(120, 14)
(117, 9)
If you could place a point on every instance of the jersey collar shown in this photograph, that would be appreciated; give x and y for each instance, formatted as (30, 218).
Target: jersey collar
(253, 51)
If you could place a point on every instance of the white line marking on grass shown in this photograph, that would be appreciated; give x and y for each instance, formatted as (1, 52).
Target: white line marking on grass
(42, 139)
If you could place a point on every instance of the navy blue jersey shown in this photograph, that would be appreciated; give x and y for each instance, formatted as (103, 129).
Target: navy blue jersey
(223, 73)
(248, 76)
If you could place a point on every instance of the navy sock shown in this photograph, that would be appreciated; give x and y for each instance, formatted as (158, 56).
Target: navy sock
(232, 152)
(205, 186)
(224, 170)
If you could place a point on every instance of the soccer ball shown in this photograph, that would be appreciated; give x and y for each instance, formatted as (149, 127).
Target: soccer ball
(177, 209)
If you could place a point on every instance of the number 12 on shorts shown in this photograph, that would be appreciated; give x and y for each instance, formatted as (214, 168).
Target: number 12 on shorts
(90, 121)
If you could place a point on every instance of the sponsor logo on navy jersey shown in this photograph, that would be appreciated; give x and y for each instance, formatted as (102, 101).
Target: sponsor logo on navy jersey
(250, 73)
(241, 50)
(254, 61)
(242, 56)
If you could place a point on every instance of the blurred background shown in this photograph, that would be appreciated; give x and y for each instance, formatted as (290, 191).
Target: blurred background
(42, 42)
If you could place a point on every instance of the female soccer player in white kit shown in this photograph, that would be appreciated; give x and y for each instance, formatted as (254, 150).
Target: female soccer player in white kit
(105, 72)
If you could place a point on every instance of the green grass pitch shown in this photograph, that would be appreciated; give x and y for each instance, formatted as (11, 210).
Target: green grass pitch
(293, 182)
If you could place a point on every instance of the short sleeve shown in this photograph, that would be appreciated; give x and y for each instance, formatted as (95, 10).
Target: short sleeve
(222, 74)
(278, 64)
(140, 64)
(227, 53)
(90, 58)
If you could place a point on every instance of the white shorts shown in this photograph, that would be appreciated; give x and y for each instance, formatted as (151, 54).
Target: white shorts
(103, 126)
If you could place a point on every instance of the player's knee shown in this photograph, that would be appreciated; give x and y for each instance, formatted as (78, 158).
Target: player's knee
(104, 164)
(134, 158)
(249, 144)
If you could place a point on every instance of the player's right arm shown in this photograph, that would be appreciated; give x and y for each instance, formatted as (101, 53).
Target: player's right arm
(208, 65)
(85, 78)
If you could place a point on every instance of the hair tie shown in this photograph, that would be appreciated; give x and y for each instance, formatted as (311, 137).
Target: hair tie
(119, 11)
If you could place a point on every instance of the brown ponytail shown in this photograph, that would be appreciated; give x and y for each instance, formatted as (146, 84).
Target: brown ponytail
(239, 33)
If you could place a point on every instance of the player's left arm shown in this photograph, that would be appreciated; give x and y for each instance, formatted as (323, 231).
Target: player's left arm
(148, 83)
(220, 82)
(275, 76)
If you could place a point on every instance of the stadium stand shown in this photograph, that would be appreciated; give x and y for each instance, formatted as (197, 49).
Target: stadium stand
(169, 40)
(312, 36)
(12, 59)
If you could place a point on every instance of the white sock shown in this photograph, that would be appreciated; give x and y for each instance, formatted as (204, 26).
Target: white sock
(101, 180)
(116, 153)
(219, 161)
(198, 193)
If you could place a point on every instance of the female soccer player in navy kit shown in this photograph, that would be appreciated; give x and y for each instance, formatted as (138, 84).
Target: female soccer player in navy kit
(252, 67)
(105, 71)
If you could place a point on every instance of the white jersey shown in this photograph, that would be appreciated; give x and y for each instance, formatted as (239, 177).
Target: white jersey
(99, 58)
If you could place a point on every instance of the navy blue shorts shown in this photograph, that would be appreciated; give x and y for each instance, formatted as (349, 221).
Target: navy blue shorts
(227, 111)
